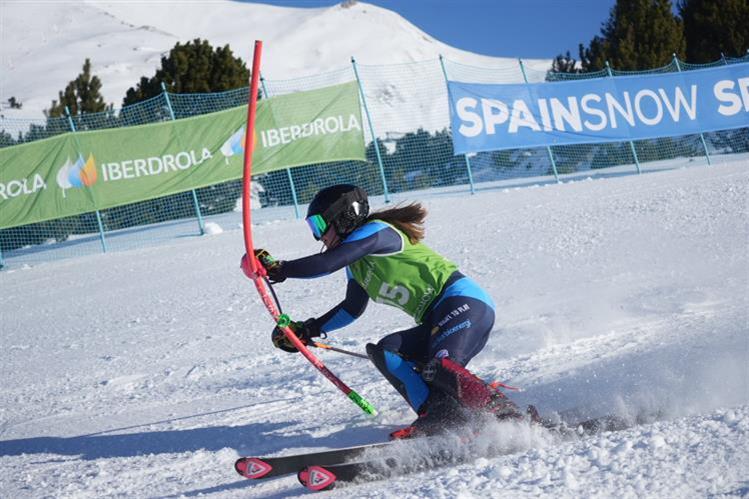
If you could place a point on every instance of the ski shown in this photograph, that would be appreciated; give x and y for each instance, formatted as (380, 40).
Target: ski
(587, 427)
(319, 477)
(256, 468)
(267, 467)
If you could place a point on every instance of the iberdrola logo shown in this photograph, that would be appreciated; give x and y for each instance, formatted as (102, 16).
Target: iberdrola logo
(235, 144)
(78, 174)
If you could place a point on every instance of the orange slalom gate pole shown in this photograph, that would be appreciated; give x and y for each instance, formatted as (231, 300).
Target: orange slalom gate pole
(258, 271)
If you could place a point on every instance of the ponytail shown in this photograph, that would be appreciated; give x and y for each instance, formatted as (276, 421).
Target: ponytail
(409, 219)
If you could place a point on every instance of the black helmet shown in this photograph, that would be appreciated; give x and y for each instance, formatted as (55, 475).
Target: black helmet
(343, 207)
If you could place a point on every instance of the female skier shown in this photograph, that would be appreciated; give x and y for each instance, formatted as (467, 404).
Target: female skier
(385, 261)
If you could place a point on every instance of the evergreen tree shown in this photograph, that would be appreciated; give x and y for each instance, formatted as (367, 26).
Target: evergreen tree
(712, 28)
(563, 65)
(503, 159)
(82, 95)
(194, 67)
(14, 103)
(639, 34)
(6, 139)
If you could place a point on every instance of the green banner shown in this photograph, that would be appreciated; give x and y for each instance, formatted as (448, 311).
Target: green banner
(81, 172)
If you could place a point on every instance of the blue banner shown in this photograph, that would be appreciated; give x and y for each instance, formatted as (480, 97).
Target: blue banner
(488, 117)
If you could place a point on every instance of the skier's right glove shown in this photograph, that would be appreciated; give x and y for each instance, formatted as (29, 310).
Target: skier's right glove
(273, 267)
(266, 266)
(305, 331)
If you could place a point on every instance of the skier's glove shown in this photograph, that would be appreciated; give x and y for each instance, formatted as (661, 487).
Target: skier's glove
(269, 266)
(305, 331)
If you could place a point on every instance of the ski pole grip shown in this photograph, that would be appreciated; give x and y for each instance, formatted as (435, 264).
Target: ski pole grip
(362, 403)
(283, 320)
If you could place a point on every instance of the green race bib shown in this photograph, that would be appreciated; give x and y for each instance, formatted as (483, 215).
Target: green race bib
(409, 279)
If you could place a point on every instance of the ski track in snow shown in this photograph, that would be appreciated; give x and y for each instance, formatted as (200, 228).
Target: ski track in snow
(146, 373)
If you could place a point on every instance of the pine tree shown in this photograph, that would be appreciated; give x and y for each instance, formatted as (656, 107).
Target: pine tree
(563, 65)
(14, 103)
(82, 95)
(712, 28)
(639, 34)
(194, 67)
(6, 139)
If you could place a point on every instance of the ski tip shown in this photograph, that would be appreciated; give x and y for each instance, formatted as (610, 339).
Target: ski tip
(407, 433)
(252, 467)
(316, 478)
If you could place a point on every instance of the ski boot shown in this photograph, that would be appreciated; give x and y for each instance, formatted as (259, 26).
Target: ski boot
(469, 390)
(439, 414)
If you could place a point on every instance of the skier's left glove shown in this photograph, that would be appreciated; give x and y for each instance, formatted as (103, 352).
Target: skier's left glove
(269, 266)
(305, 331)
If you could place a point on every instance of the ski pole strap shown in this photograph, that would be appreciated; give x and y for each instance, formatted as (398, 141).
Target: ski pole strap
(362, 403)
(273, 292)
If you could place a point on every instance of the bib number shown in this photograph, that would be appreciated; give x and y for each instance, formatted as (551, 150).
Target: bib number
(395, 294)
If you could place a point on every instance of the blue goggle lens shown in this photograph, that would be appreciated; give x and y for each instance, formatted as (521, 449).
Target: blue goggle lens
(317, 225)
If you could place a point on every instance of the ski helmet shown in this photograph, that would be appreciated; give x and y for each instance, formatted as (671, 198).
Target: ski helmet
(343, 207)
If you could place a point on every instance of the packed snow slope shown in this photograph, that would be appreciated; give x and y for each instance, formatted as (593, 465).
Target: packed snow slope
(146, 373)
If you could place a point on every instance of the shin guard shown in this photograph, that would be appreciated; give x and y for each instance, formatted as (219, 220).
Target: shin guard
(457, 381)
(467, 388)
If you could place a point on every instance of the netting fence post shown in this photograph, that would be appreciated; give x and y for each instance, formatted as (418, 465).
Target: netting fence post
(702, 135)
(548, 148)
(288, 170)
(98, 214)
(449, 100)
(631, 144)
(372, 131)
(201, 225)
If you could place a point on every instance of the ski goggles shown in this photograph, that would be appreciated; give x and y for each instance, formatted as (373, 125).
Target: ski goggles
(317, 225)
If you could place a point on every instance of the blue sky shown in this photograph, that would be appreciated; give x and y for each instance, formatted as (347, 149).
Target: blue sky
(507, 28)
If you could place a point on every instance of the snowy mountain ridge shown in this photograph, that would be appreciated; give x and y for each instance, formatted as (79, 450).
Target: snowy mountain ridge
(43, 44)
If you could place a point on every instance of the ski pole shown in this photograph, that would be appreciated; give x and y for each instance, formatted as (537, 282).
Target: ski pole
(339, 350)
(316, 344)
(257, 271)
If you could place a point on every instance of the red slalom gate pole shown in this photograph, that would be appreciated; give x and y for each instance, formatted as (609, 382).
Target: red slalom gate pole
(258, 271)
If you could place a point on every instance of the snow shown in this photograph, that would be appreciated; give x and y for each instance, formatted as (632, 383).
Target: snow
(212, 228)
(43, 44)
(146, 373)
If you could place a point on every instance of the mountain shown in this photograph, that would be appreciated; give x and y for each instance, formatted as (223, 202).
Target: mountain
(44, 44)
